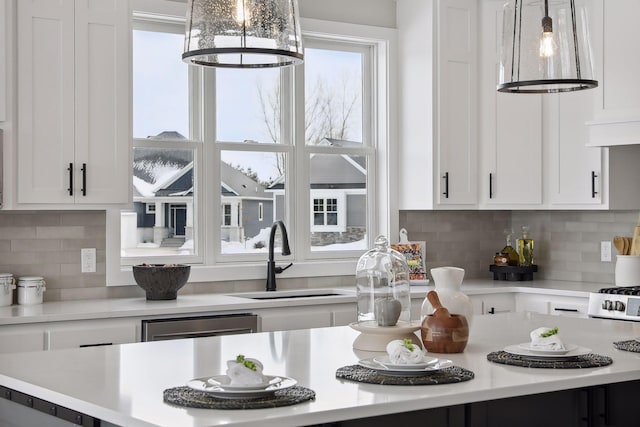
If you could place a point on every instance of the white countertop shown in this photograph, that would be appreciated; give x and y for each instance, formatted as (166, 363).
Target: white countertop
(210, 303)
(123, 384)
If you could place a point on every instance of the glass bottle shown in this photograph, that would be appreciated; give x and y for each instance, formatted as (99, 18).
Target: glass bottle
(514, 259)
(525, 248)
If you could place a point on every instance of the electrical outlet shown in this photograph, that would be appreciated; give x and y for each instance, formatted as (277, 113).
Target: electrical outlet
(88, 260)
(605, 251)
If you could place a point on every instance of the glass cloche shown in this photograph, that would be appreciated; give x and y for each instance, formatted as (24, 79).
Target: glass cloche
(382, 282)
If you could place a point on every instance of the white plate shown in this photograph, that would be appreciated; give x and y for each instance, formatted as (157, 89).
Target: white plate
(387, 363)
(376, 366)
(516, 349)
(223, 381)
(567, 349)
(212, 386)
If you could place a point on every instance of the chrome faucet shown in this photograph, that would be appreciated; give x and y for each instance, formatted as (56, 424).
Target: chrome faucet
(272, 270)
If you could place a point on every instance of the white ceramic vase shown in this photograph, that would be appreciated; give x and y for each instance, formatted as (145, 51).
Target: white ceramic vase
(448, 281)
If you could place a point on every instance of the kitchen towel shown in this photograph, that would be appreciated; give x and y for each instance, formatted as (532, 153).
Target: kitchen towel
(629, 345)
(185, 396)
(590, 360)
(361, 374)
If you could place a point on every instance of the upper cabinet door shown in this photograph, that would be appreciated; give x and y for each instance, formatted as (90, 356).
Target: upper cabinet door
(4, 52)
(456, 130)
(74, 114)
(45, 100)
(510, 128)
(102, 119)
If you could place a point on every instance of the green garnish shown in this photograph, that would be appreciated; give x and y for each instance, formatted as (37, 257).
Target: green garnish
(408, 344)
(550, 332)
(247, 363)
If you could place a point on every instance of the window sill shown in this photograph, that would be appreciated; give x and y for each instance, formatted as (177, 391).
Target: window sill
(252, 271)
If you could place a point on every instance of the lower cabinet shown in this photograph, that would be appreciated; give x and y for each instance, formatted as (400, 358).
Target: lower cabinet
(552, 304)
(493, 303)
(92, 333)
(15, 339)
(598, 406)
(303, 317)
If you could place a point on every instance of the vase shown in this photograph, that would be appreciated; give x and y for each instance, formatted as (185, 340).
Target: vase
(448, 281)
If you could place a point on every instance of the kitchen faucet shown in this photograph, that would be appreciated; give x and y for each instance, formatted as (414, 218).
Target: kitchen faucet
(272, 270)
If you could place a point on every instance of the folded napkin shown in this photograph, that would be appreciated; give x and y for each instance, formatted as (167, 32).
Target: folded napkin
(244, 371)
(551, 342)
(402, 352)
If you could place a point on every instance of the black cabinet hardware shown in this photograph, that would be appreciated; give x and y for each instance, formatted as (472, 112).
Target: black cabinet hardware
(446, 185)
(490, 185)
(594, 193)
(84, 179)
(70, 169)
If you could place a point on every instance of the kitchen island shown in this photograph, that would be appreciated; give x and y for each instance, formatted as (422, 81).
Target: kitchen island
(123, 384)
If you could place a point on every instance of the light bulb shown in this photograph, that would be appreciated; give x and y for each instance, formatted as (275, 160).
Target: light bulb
(547, 45)
(242, 13)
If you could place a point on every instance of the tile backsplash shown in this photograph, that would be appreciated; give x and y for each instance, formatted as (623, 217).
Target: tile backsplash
(567, 243)
(567, 247)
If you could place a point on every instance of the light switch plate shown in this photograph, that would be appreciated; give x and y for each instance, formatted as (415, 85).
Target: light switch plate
(88, 260)
(605, 251)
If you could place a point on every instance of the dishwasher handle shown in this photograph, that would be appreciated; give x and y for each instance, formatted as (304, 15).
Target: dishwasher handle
(199, 334)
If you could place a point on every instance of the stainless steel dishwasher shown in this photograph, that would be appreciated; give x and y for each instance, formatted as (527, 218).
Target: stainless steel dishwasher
(198, 326)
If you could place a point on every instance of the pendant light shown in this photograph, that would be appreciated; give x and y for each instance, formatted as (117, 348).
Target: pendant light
(243, 33)
(545, 47)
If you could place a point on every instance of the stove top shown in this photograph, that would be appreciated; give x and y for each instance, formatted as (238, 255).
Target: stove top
(620, 302)
(621, 290)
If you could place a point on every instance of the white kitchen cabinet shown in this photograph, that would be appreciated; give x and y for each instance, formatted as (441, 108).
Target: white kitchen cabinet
(73, 102)
(510, 128)
(456, 130)
(437, 116)
(576, 177)
(552, 304)
(493, 303)
(19, 338)
(4, 55)
(92, 333)
(293, 318)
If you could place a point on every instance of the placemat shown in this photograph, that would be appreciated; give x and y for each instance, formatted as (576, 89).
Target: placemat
(590, 360)
(358, 373)
(185, 396)
(630, 345)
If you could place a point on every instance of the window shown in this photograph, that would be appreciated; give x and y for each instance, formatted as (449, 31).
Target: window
(151, 208)
(226, 215)
(240, 149)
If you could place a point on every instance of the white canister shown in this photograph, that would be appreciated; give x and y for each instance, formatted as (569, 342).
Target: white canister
(30, 290)
(627, 270)
(7, 285)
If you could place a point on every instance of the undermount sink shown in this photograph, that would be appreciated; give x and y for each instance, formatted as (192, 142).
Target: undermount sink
(304, 293)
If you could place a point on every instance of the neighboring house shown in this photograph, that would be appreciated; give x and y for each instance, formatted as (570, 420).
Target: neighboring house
(164, 207)
(338, 196)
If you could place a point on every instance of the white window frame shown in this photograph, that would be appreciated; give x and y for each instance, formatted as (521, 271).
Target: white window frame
(150, 208)
(260, 211)
(382, 220)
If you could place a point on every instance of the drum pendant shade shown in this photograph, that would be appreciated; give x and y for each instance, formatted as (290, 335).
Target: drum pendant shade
(545, 47)
(243, 33)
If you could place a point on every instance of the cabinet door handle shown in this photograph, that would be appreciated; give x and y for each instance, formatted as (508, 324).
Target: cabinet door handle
(446, 185)
(70, 169)
(571, 310)
(490, 185)
(84, 179)
(594, 175)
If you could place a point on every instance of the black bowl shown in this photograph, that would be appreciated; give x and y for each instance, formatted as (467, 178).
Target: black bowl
(161, 282)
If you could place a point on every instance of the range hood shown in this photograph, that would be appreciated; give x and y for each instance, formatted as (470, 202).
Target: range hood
(614, 132)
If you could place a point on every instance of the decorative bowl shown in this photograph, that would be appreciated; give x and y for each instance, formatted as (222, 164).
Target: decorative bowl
(161, 281)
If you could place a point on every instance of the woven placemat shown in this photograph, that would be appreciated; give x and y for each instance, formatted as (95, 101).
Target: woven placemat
(590, 360)
(185, 396)
(361, 374)
(630, 345)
